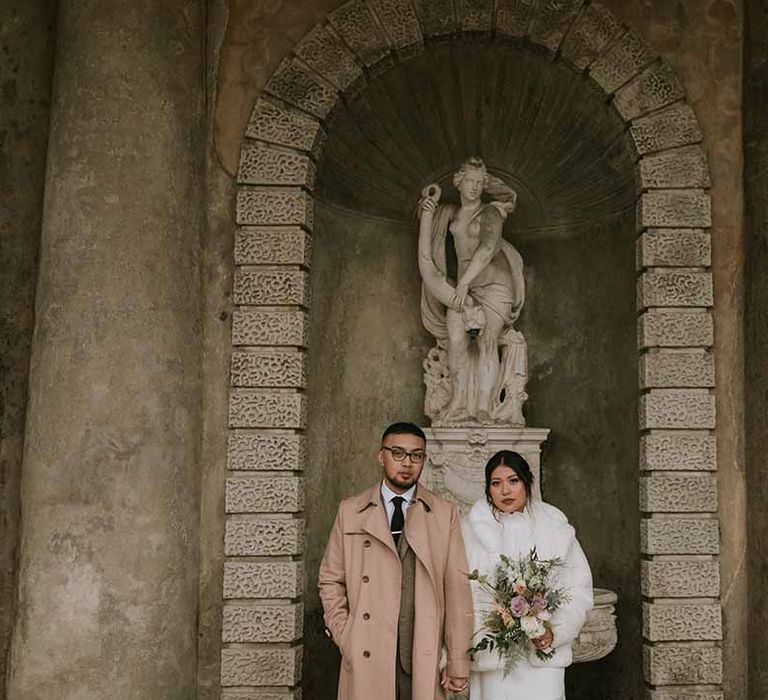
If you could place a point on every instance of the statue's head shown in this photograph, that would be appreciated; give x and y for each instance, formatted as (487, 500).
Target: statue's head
(471, 178)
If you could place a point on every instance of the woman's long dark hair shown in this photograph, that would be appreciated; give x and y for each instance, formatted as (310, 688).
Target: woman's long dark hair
(516, 462)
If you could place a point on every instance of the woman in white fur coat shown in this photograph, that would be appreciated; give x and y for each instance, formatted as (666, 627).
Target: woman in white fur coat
(509, 521)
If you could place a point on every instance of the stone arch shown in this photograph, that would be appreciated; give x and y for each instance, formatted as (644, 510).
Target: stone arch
(263, 573)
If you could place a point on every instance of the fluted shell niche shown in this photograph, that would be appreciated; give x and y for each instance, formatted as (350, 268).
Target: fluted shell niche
(553, 136)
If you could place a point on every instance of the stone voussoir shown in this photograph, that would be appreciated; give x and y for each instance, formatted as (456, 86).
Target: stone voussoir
(673, 535)
(258, 205)
(399, 20)
(685, 622)
(437, 17)
(271, 286)
(656, 87)
(267, 164)
(272, 245)
(673, 287)
(684, 208)
(667, 128)
(683, 693)
(674, 247)
(592, 31)
(254, 536)
(677, 409)
(260, 665)
(685, 167)
(270, 326)
(674, 328)
(274, 408)
(677, 369)
(247, 622)
(475, 15)
(678, 492)
(683, 450)
(268, 579)
(623, 59)
(298, 85)
(356, 25)
(681, 664)
(269, 368)
(551, 21)
(259, 450)
(697, 578)
(514, 17)
(327, 55)
(273, 121)
(264, 494)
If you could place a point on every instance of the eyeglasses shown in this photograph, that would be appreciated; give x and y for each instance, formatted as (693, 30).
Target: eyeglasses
(399, 454)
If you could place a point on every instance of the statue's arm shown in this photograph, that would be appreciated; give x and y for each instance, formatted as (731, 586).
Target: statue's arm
(491, 223)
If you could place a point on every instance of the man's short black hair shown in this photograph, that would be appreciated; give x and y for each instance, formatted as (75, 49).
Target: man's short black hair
(402, 428)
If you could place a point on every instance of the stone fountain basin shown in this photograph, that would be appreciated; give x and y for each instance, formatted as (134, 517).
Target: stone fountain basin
(598, 637)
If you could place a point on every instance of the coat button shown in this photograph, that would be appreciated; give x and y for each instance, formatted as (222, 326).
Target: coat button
(367, 543)
(365, 579)
(367, 654)
(366, 616)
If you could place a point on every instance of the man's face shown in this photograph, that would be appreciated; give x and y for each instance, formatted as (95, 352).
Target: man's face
(400, 476)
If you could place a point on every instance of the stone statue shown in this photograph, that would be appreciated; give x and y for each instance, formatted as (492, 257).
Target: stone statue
(478, 370)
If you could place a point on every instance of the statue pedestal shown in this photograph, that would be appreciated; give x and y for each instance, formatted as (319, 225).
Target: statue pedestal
(455, 467)
(455, 470)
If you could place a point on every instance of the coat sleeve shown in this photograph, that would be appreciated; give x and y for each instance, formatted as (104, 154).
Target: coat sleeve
(332, 582)
(568, 620)
(459, 616)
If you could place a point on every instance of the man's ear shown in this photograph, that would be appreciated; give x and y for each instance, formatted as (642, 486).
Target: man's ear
(380, 457)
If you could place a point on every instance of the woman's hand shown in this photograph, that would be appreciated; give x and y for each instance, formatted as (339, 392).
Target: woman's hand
(427, 205)
(462, 291)
(545, 641)
(453, 684)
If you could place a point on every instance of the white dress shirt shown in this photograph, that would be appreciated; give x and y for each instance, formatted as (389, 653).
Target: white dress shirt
(387, 494)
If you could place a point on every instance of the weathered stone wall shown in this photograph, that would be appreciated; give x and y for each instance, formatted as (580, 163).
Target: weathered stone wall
(756, 336)
(26, 62)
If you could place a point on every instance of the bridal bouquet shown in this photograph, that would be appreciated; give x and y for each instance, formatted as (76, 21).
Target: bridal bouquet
(523, 601)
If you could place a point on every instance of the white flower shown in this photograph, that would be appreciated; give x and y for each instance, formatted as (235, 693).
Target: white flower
(532, 626)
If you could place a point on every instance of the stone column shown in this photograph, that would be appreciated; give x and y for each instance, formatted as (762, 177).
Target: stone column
(108, 571)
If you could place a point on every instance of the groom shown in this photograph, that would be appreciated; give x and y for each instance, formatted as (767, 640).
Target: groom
(393, 583)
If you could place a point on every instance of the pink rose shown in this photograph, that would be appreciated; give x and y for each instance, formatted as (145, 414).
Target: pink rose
(538, 603)
(518, 606)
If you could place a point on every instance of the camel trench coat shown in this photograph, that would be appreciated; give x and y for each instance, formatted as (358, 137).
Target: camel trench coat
(359, 581)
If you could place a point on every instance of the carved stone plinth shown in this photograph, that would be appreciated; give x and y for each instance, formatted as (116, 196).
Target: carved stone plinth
(457, 457)
(598, 637)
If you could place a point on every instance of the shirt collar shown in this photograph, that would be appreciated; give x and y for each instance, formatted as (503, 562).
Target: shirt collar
(388, 494)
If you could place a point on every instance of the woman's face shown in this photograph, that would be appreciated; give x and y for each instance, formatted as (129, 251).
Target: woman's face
(471, 185)
(507, 490)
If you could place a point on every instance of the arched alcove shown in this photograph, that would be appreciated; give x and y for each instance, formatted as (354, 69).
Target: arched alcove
(600, 144)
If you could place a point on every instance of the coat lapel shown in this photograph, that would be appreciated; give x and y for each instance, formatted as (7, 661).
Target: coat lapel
(375, 518)
(416, 531)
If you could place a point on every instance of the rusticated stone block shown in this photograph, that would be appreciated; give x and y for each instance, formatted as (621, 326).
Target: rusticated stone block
(475, 15)
(698, 578)
(300, 87)
(398, 18)
(514, 17)
(260, 666)
(355, 23)
(271, 287)
(269, 579)
(681, 167)
(663, 287)
(677, 369)
(682, 664)
(674, 209)
(670, 127)
(656, 87)
(266, 451)
(249, 536)
(273, 368)
(272, 245)
(254, 622)
(678, 492)
(688, 622)
(269, 206)
(253, 693)
(674, 247)
(551, 21)
(667, 535)
(682, 450)
(670, 328)
(624, 59)
(257, 408)
(278, 123)
(683, 693)
(437, 17)
(678, 409)
(264, 494)
(325, 53)
(590, 34)
(265, 164)
(260, 326)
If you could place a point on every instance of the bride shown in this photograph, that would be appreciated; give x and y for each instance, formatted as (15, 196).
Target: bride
(508, 521)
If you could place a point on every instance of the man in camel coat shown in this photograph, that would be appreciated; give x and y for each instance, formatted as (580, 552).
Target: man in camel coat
(393, 583)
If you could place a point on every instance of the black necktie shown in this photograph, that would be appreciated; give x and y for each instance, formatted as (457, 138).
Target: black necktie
(398, 518)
